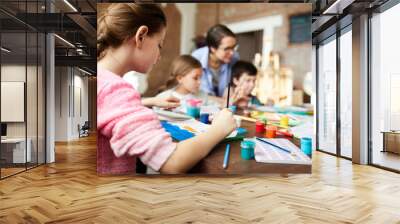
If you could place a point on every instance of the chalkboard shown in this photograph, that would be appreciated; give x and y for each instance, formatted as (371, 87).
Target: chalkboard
(300, 28)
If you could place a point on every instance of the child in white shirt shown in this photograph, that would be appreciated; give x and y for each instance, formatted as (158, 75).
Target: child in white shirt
(184, 83)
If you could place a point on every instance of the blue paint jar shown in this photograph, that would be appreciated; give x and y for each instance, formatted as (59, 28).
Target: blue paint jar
(232, 108)
(247, 149)
(193, 107)
(204, 118)
(306, 146)
(193, 111)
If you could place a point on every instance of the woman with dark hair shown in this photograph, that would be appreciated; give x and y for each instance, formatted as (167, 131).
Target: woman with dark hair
(217, 59)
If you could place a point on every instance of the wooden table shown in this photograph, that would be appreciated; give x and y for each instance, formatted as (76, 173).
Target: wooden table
(212, 164)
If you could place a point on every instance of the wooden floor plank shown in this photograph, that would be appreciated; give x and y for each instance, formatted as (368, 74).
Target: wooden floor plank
(69, 191)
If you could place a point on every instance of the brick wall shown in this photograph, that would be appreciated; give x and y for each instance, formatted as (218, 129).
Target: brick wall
(294, 56)
(171, 49)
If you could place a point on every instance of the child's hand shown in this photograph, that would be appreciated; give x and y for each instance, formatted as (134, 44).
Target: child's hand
(243, 102)
(240, 97)
(238, 94)
(224, 122)
(167, 103)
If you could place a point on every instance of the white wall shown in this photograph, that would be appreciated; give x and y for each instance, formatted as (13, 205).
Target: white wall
(33, 127)
(80, 83)
(267, 25)
(61, 103)
(12, 101)
(50, 96)
(69, 85)
(188, 12)
(12, 73)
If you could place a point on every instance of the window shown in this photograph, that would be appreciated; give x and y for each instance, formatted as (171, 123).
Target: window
(346, 94)
(22, 76)
(327, 96)
(385, 88)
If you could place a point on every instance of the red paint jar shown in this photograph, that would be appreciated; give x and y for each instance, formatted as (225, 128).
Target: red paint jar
(260, 127)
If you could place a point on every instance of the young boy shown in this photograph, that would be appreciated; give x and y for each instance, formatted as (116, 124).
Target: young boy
(243, 82)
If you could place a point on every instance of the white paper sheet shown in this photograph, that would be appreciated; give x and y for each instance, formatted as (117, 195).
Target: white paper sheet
(196, 127)
(269, 154)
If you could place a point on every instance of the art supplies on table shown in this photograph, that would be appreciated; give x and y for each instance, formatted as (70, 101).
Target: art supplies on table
(306, 129)
(193, 107)
(265, 115)
(246, 118)
(233, 108)
(247, 149)
(204, 118)
(264, 120)
(209, 109)
(192, 125)
(279, 120)
(182, 130)
(284, 133)
(171, 116)
(204, 109)
(284, 121)
(273, 153)
(306, 146)
(272, 144)
(260, 127)
(285, 110)
(299, 110)
(241, 131)
(176, 132)
(226, 157)
(238, 121)
(270, 131)
(233, 139)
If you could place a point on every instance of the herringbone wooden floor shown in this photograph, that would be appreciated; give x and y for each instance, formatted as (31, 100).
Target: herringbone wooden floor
(69, 191)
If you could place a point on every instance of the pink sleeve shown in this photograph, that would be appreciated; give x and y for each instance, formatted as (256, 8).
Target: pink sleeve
(132, 128)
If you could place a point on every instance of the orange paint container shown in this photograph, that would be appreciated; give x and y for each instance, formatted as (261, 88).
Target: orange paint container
(271, 131)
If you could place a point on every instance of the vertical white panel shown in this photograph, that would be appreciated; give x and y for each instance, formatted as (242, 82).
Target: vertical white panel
(12, 101)
(327, 97)
(346, 94)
